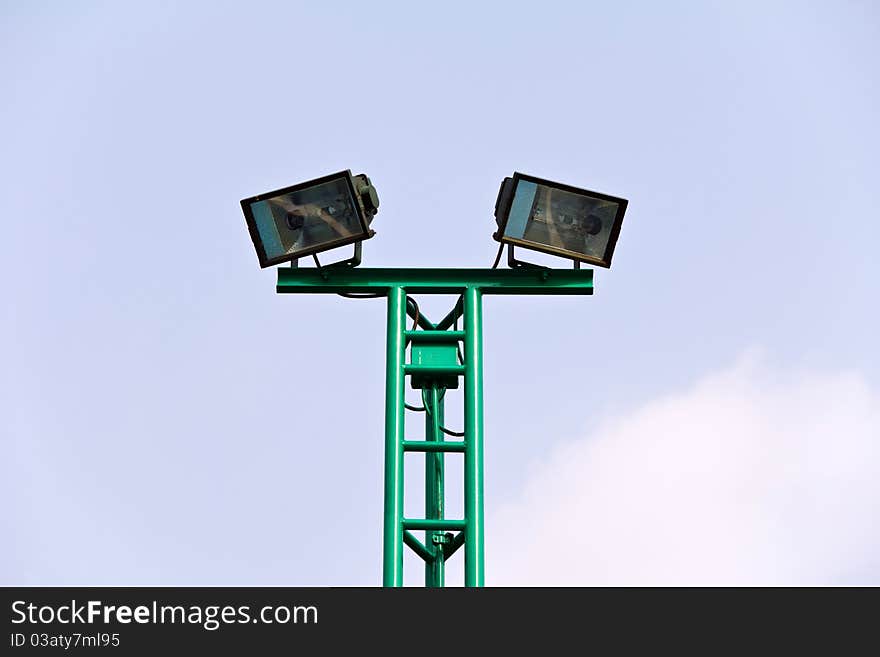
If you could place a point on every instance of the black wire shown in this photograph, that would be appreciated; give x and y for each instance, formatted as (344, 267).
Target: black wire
(351, 295)
(373, 295)
(421, 409)
(448, 432)
(498, 256)
(416, 318)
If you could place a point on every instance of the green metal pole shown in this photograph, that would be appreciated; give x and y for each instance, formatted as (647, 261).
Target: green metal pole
(392, 562)
(434, 471)
(395, 282)
(474, 558)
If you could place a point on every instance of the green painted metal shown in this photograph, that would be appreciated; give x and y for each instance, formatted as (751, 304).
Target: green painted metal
(474, 558)
(434, 480)
(450, 548)
(424, 446)
(417, 547)
(427, 370)
(392, 567)
(435, 281)
(434, 337)
(434, 354)
(436, 525)
(435, 366)
(452, 316)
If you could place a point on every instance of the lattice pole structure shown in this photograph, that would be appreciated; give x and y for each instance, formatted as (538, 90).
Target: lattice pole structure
(439, 356)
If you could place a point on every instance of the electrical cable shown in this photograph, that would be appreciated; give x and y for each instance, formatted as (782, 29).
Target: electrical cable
(409, 299)
(498, 256)
(350, 295)
(448, 432)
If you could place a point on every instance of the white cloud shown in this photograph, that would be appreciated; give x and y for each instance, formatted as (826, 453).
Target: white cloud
(751, 477)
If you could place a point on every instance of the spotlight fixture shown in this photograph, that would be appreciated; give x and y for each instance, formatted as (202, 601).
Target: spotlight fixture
(311, 217)
(557, 219)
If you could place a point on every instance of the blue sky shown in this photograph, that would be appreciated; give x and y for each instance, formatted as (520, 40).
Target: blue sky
(168, 419)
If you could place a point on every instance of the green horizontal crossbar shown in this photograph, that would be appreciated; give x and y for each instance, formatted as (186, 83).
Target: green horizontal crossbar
(433, 446)
(431, 370)
(433, 525)
(306, 280)
(434, 337)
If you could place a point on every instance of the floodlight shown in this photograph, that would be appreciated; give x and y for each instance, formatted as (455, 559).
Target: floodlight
(311, 217)
(557, 219)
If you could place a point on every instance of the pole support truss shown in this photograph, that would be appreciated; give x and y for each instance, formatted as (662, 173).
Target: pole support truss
(436, 364)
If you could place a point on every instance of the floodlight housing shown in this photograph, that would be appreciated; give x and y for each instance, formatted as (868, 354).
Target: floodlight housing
(557, 219)
(313, 216)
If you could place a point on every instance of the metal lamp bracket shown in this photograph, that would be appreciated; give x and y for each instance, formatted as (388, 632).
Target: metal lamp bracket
(353, 261)
(513, 263)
